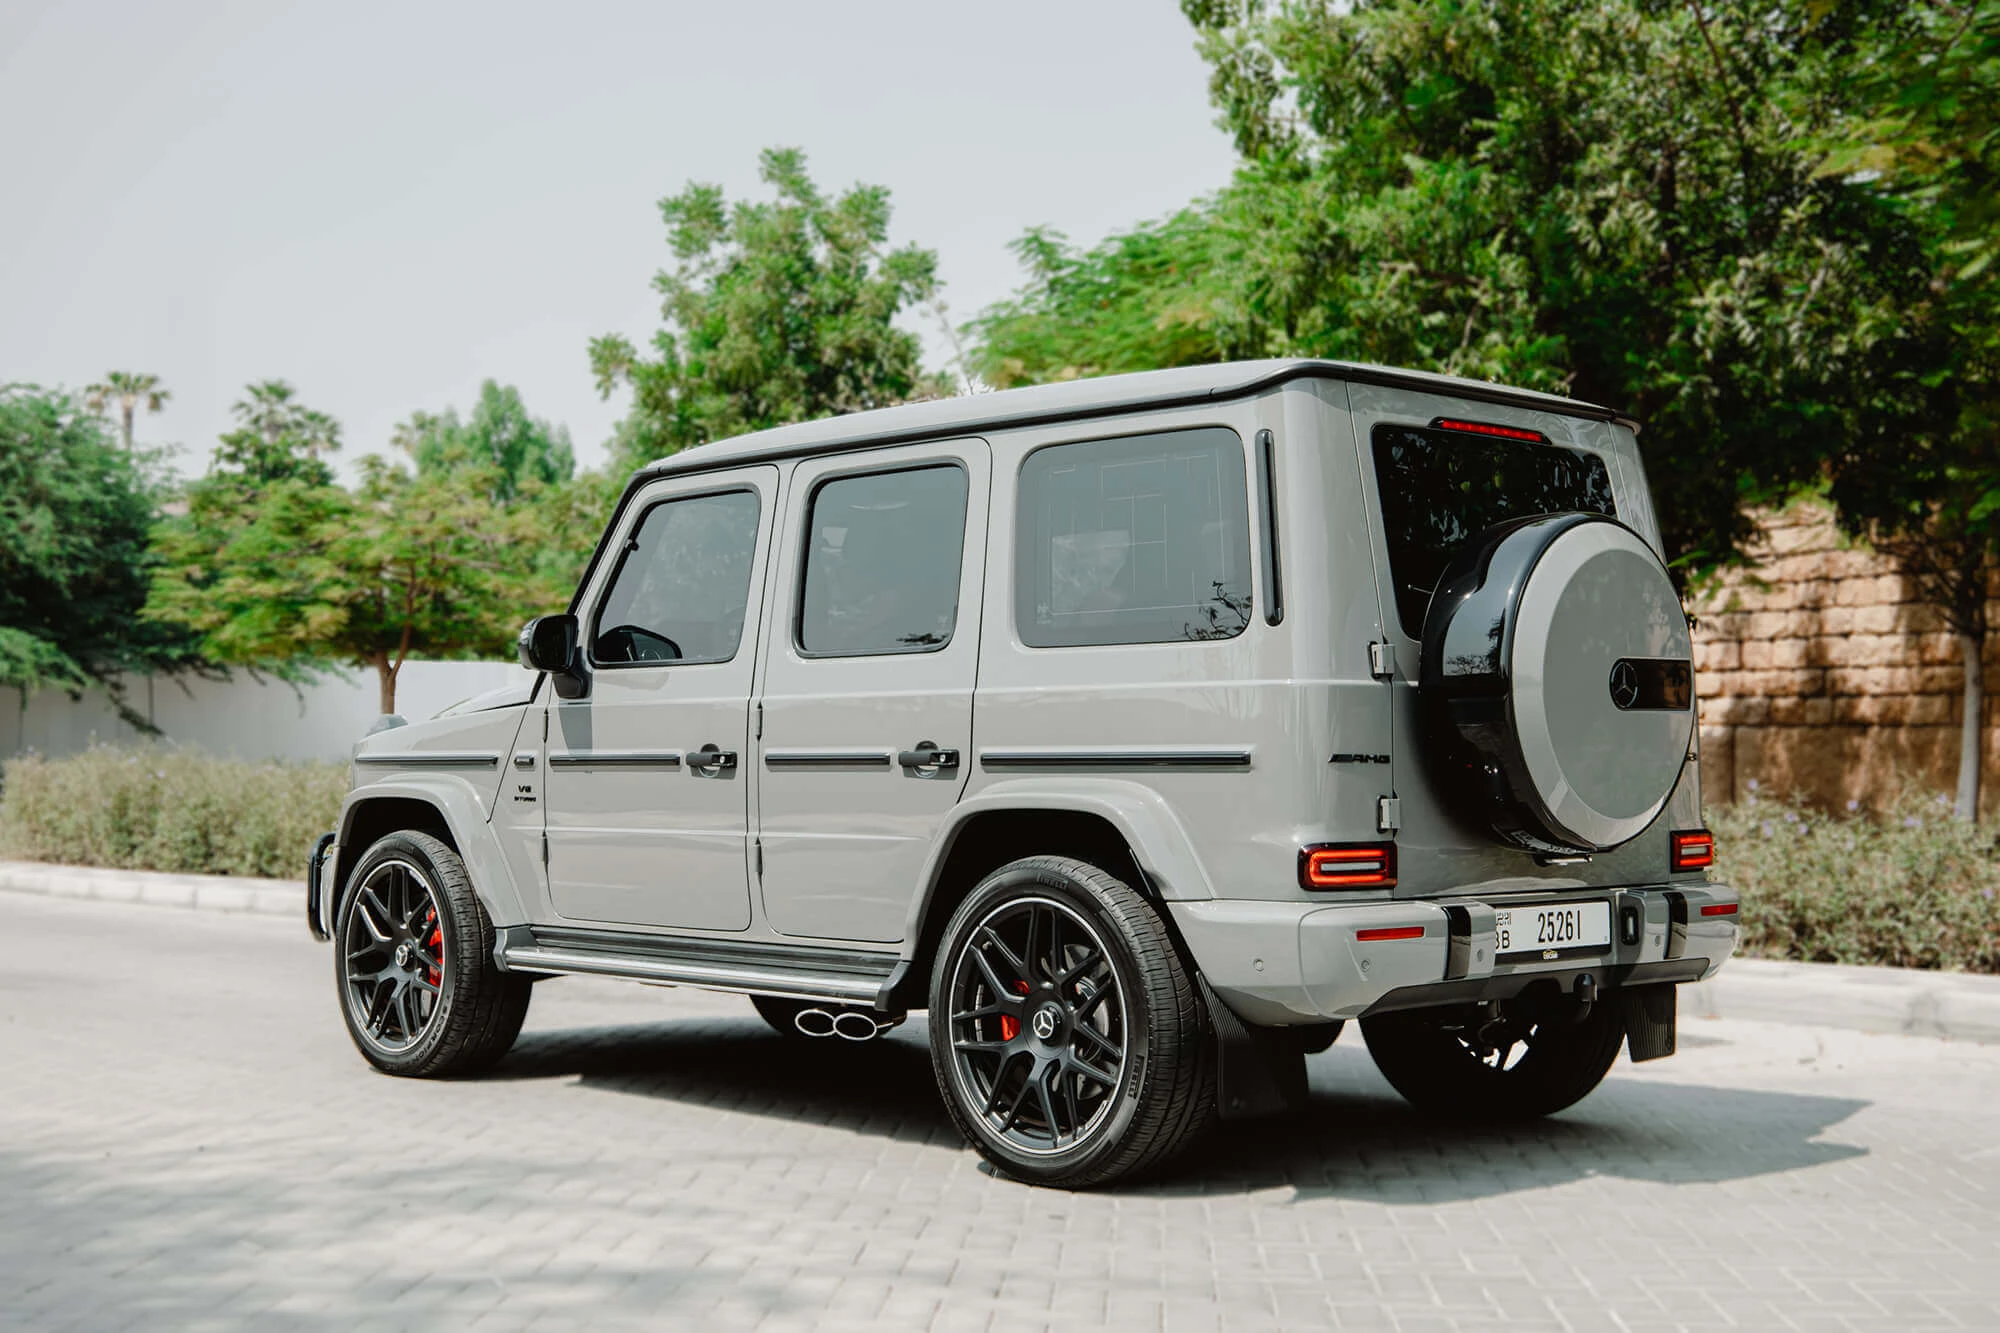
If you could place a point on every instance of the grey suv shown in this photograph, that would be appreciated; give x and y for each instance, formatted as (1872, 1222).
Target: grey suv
(1142, 730)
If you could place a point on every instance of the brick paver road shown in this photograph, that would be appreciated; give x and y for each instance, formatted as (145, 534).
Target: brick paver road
(187, 1139)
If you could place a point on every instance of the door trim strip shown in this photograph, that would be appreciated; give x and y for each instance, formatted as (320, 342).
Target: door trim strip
(829, 758)
(1177, 757)
(616, 759)
(430, 759)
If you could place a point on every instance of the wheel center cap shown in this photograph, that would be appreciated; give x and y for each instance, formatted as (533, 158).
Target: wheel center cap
(1047, 1021)
(404, 953)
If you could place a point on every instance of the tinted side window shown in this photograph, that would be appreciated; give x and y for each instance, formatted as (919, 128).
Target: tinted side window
(882, 563)
(682, 585)
(1440, 489)
(1144, 539)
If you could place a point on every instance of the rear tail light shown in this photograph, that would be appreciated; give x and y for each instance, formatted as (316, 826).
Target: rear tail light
(1718, 909)
(1348, 865)
(1693, 849)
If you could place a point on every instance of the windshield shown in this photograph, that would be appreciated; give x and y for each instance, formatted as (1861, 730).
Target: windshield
(1440, 488)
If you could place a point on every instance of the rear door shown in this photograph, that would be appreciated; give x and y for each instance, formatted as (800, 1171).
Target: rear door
(866, 699)
(1440, 471)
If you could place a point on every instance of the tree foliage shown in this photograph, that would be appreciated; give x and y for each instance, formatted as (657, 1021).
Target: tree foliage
(131, 391)
(75, 511)
(1615, 200)
(275, 566)
(776, 312)
(499, 434)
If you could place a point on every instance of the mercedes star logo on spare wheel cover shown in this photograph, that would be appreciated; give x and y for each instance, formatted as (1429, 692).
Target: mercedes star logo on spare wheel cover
(1624, 683)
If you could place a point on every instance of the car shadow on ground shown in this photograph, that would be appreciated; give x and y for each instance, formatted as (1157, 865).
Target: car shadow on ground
(1354, 1138)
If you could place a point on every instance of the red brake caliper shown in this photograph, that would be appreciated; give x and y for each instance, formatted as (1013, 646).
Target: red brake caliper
(1010, 1027)
(436, 943)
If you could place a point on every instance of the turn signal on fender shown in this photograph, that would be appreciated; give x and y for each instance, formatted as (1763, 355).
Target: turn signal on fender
(1692, 849)
(1348, 865)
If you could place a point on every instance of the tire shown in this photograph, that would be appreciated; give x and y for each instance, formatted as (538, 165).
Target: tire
(1112, 1040)
(1429, 1056)
(422, 1003)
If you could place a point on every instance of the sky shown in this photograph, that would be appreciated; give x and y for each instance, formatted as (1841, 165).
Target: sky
(386, 204)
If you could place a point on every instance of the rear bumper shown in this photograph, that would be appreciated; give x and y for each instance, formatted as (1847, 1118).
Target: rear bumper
(1290, 963)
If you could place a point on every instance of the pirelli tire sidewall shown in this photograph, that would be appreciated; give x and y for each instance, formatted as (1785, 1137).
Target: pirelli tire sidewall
(1557, 683)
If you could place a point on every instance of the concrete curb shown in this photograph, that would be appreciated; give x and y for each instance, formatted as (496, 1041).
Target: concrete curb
(1900, 1000)
(204, 893)
(1864, 999)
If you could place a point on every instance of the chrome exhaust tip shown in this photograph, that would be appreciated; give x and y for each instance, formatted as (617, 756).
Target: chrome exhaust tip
(816, 1023)
(857, 1026)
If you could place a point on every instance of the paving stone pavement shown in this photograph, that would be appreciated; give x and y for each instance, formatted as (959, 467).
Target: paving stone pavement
(187, 1139)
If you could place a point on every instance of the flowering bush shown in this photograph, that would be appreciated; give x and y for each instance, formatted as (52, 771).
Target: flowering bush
(1913, 887)
(159, 808)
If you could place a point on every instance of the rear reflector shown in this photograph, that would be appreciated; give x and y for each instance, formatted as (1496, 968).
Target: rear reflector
(1390, 933)
(1692, 849)
(1718, 909)
(1348, 865)
(1488, 428)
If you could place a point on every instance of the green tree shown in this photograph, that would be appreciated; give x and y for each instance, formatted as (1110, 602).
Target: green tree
(274, 566)
(277, 438)
(1616, 200)
(1925, 138)
(776, 312)
(75, 511)
(130, 391)
(499, 433)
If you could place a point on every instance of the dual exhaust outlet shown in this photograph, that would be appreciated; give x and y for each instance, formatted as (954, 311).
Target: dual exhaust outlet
(853, 1024)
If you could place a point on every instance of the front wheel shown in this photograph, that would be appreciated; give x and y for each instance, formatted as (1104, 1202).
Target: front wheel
(1069, 1040)
(1504, 1061)
(413, 956)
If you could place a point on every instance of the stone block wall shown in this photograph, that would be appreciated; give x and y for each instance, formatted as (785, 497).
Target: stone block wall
(1818, 672)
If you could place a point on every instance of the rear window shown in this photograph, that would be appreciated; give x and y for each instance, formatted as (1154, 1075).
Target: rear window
(1139, 539)
(1440, 489)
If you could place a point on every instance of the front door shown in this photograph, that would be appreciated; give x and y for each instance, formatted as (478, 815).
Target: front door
(646, 800)
(867, 691)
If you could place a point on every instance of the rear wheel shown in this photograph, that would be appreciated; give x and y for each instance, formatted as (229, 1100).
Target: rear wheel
(413, 957)
(1069, 1040)
(1495, 1062)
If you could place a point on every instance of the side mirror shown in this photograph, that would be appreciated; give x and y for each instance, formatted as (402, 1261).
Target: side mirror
(549, 643)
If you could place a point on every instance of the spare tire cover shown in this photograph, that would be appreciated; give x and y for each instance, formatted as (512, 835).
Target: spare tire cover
(1557, 681)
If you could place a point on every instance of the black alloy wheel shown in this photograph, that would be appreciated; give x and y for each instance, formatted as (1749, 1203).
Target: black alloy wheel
(1069, 1040)
(1038, 1025)
(413, 956)
(394, 948)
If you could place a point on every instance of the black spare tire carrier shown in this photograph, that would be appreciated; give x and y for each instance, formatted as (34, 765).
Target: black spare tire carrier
(1557, 683)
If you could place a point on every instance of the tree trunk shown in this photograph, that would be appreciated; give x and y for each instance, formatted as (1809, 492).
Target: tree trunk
(1971, 735)
(385, 676)
(129, 408)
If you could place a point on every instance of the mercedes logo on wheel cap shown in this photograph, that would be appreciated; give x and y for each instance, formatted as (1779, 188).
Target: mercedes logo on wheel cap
(1046, 1021)
(1624, 683)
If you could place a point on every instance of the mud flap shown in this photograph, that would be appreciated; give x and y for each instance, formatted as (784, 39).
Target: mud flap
(1649, 1022)
(1257, 1072)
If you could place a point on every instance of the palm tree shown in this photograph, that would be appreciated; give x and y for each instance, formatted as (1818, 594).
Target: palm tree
(128, 390)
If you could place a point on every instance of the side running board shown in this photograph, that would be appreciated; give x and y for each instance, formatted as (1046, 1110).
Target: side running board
(798, 972)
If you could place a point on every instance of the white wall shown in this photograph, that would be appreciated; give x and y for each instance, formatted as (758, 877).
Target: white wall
(243, 717)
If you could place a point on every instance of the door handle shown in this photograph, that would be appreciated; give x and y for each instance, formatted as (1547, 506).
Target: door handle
(927, 755)
(710, 760)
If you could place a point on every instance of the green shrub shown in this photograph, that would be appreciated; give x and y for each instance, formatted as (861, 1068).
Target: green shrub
(1912, 887)
(159, 808)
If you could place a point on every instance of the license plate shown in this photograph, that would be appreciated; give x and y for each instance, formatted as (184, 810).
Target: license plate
(1552, 931)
